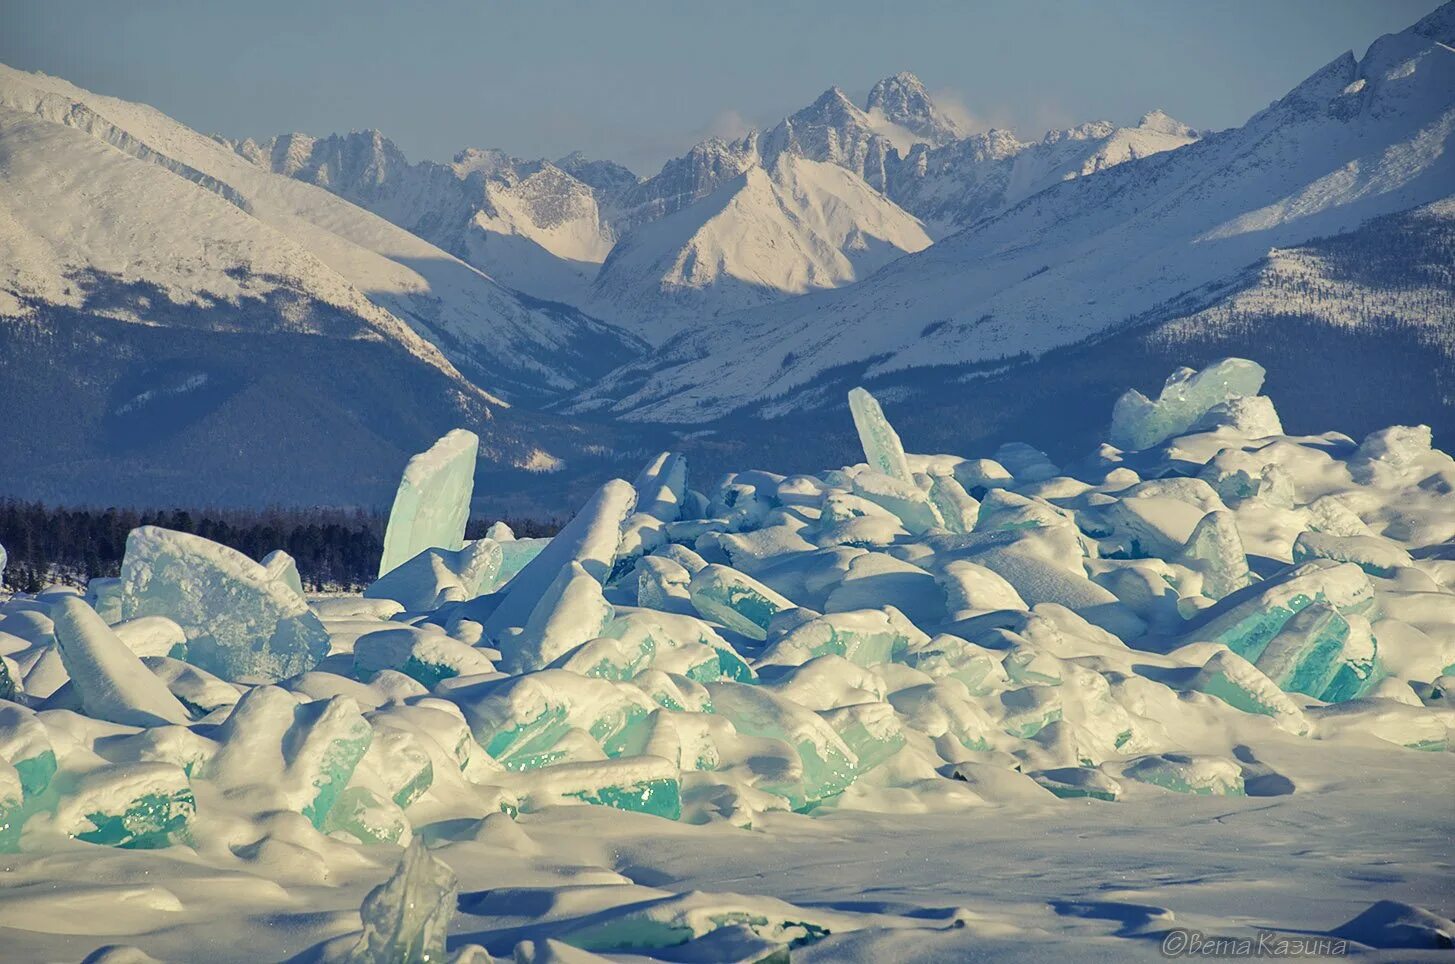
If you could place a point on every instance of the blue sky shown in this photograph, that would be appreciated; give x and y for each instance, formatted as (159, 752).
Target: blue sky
(640, 81)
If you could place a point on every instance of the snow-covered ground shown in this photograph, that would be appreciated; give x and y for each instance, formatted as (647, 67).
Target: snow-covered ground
(925, 707)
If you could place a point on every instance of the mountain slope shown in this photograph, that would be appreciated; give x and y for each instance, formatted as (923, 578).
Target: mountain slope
(761, 237)
(1132, 244)
(956, 185)
(510, 346)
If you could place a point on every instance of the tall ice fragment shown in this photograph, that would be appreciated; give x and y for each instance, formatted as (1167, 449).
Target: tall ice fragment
(407, 917)
(433, 502)
(882, 448)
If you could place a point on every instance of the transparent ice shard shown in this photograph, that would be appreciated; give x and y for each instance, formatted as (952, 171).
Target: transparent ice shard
(1358, 668)
(112, 681)
(1215, 549)
(240, 622)
(407, 918)
(368, 818)
(26, 746)
(736, 600)
(432, 504)
(1138, 422)
(882, 448)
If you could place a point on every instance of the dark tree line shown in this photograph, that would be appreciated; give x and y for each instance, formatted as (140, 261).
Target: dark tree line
(334, 548)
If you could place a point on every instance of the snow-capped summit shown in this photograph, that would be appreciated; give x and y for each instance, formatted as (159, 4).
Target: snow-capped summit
(769, 233)
(835, 130)
(902, 100)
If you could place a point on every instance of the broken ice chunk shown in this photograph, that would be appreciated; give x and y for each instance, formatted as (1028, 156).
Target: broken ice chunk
(12, 808)
(882, 448)
(970, 588)
(1385, 456)
(1026, 463)
(662, 487)
(571, 611)
(407, 918)
(591, 539)
(112, 681)
(1138, 422)
(26, 746)
(1215, 549)
(956, 506)
(906, 500)
(871, 731)
(736, 600)
(1251, 416)
(437, 576)
(284, 568)
(951, 657)
(135, 805)
(432, 504)
(1358, 668)
(368, 818)
(239, 621)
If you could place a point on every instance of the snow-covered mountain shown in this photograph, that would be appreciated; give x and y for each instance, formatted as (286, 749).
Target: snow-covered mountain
(530, 225)
(764, 235)
(953, 186)
(159, 292)
(1142, 241)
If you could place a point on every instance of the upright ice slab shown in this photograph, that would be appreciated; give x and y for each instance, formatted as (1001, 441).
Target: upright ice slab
(239, 620)
(572, 611)
(1215, 549)
(433, 502)
(1138, 422)
(882, 448)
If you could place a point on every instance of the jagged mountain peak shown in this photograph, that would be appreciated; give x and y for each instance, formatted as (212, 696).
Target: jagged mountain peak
(1160, 121)
(903, 100)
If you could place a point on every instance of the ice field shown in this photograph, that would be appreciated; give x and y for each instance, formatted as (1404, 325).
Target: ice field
(925, 707)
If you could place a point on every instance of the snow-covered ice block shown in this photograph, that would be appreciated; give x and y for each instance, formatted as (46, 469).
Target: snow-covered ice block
(1385, 456)
(1076, 782)
(437, 576)
(644, 784)
(736, 600)
(1305, 654)
(1039, 581)
(151, 636)
(1199, 774)
(301, 753)
(283, 568)
(910, 504)
(882, 448)
(112, 681)
(828, 764)
(432, 505)
(136, 805)
(865, 636)
(1243, 686)
(651, 638)
(1138, 422)
(1375, 555)
(1246, 620)
(571, 611)
(662, 487)
(1251, 416)
(239, 621)
(417, 653)
(26, 746)
(970, 588)
(1026, 463)
(591, 539)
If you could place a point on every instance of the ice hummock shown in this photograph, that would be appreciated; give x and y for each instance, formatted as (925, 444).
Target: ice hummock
(872, 637)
